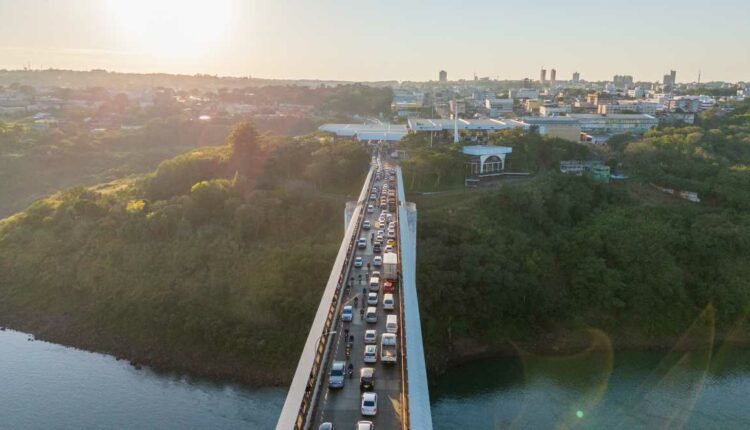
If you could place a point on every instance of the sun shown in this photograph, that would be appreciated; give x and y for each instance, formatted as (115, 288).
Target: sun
(172, 29)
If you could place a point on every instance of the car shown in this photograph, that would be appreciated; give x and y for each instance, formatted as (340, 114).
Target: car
(337, 376)
(388, 302)
(391, 233)
(387, 287)
(371, 336)
(367, 379)
(371, 315)
(362, 243)
(358, 262)
(375, 274)
(347, 314)
(371, 354)
(391, 242)
(369, 405)
(388, 249)
(365, 425)
(377, 247)
(377, 261)
(383, 205)
(372, 299)
(366, 225)
(371, 209)
(326, 426)
(373, 196)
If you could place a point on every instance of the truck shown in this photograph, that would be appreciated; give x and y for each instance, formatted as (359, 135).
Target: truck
(388, 348)
(390, 266)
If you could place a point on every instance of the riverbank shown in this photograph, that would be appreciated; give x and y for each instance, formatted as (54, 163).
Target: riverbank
(64, 330)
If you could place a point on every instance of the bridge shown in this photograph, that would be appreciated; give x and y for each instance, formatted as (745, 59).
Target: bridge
(315, 396)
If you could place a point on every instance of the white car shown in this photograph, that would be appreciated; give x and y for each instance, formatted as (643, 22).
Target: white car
(371, 354)
(375, 274)
(370, 209)
(388, 249)
(371, 337)
(366, 225)
(365, 425)
(371, 315)
(358, 262)
(372, 299)
(362, 243)
(369, 405)
(377, 261)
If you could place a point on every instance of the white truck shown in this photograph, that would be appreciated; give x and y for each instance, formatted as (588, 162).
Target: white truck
(388, 348)
(390, 266)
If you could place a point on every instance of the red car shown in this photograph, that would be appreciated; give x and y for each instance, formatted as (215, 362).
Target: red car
(388, 287)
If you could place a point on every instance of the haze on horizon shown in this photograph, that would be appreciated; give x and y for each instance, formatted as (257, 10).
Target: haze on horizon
(387, 40)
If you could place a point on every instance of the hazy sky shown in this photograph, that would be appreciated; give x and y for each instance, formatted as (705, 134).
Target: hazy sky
(382, 39)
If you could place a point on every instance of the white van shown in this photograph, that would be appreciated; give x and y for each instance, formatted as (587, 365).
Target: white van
(371, 316)
(388, 302)
(391, 324)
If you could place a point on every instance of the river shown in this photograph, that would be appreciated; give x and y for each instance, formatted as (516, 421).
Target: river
(48, 386)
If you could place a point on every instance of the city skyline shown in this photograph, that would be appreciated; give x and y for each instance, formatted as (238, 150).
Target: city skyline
(377, 42)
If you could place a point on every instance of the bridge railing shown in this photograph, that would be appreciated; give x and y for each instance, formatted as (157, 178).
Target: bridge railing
(303, 392)
(402, 338)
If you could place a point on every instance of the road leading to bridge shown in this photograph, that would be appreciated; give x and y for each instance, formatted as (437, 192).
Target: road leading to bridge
(341, 406)
(401, 386)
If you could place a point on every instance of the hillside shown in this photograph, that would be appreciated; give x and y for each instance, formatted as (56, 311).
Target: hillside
(530, 264)
(212, 265)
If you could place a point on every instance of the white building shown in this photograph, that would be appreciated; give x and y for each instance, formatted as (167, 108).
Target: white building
(554, 110)
(366, 132)
(525, 93)
(498, 107)
(597, 124)
(486, 160)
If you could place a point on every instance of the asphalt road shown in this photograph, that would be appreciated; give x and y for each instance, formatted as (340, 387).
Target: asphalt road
(341, 406)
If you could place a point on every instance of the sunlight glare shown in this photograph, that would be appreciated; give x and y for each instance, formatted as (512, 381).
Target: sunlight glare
(172, 29)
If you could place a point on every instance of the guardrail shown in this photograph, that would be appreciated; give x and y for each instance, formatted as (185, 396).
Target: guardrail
(402, 338)
(299, 417)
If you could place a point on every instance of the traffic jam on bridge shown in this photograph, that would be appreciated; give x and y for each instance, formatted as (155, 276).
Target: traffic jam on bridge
(364, 375)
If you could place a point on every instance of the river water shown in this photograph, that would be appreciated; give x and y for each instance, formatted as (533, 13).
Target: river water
(48, 386)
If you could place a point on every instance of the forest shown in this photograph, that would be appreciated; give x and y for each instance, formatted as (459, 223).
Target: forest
(211, 265)
(561, 253)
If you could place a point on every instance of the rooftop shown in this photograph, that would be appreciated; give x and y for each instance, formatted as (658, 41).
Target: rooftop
(479, 150)
(379, 131)
(423, 124)
(612, 116)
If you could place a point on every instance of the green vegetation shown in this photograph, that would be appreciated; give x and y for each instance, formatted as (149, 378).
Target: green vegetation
(35, 163)
(561, 252)
(213, 264)
(440, 166)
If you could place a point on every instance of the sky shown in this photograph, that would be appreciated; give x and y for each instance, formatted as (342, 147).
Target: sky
(383, 39)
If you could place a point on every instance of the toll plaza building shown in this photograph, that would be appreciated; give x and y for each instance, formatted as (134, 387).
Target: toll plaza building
(484, 162)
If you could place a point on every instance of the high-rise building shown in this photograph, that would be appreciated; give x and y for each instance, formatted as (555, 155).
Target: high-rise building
(671, 78)
(623, 81)
(443, 76)
(543, 76)
(553, 76)
(576, 77)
